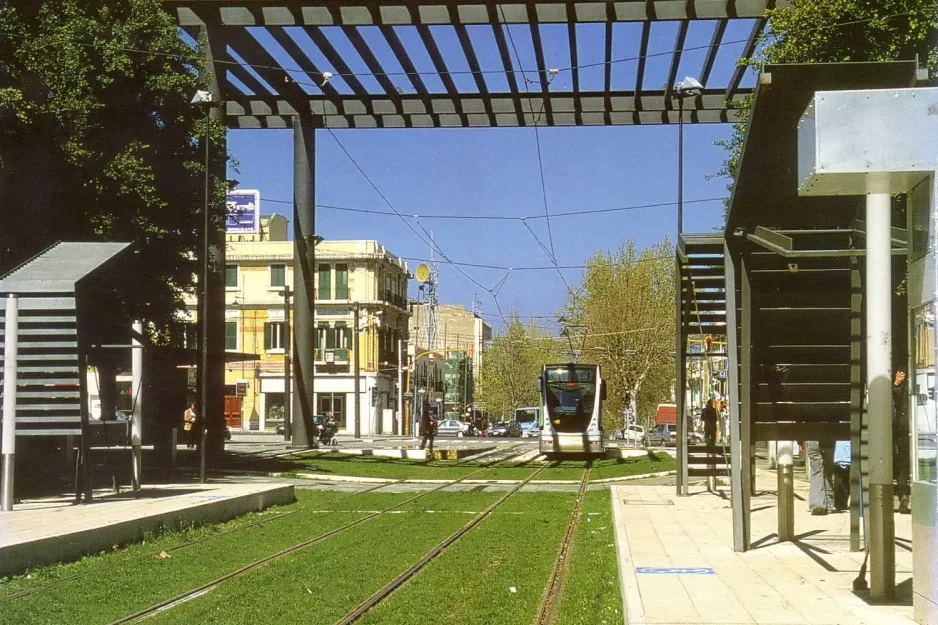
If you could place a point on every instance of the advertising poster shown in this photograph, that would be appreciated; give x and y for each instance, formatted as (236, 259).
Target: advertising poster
(243, 212)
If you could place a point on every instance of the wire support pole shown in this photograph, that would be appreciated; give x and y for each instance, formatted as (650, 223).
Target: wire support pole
(10, 344)
(202, 419)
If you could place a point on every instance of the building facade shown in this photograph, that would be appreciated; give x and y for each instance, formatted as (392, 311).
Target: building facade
(352, 279)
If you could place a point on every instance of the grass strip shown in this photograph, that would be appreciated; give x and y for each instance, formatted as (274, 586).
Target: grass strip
(334, 463)
(322, 583)
(604, 468)
(102, 596)
(591, 594)
(495, 574)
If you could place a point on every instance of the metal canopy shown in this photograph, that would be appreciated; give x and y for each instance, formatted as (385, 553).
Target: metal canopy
(766, 189)
(59, 268)
(273, 56)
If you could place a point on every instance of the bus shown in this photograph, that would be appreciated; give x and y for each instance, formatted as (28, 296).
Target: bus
(571, 398)
(529, 418)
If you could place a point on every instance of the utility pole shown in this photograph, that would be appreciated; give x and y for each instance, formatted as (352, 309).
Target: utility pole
(358, 373)
(287, 346)
(398, 422)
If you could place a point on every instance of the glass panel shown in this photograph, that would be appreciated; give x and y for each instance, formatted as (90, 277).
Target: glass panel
(341, 281)
(278, 275)
(325, 282)
(923, 394)
(231, 276)
(570, 396)
(231, 335)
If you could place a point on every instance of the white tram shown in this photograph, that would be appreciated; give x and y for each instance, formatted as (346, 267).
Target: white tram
(571, 404)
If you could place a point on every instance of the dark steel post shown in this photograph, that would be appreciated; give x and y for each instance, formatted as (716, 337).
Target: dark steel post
(358, 373)
(304, 266)
(285, 339)
(680, 164)
(203, 312)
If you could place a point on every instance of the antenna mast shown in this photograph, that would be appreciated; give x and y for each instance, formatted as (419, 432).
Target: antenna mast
(433, 322)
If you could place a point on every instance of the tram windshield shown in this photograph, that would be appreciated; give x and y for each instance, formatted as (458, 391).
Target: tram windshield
(526, 415)
(570, 394)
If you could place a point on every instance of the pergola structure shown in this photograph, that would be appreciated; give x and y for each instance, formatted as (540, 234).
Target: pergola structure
(795, 278)
(357, 64)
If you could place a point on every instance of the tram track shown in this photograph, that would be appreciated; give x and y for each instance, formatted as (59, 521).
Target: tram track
(388, 589)
(554, 590)
(247, 568)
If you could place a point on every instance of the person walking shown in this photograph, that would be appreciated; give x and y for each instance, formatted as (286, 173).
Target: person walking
(709, 418)
(190, 418)
(820, 470)
(900, 440)
(841, 475)
(427, 430)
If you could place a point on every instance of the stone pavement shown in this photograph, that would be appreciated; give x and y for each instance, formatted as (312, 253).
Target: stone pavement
(808, 582)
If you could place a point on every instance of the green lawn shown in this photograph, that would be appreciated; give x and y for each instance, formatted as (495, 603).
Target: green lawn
(591, 592)
(322, 583)
(472, 581)
(140, 578)
(609, 467)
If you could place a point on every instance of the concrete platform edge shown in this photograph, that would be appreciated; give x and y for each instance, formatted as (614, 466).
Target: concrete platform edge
(20, 557)
(633, 612)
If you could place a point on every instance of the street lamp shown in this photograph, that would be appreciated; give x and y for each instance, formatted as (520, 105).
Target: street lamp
(204, 99)
(688, 87)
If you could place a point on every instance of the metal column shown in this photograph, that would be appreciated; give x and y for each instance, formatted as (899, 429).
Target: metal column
(745, 394)
(680, 373)
(740, 528)
(398, 421)
(879, 385)
(213, 412)
(10, 343)
(304, 268)
(136, 423)
(286, 341)
(358, 374)
(856, 405)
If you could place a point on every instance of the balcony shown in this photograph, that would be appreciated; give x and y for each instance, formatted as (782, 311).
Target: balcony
(332, 356)
(391, 298)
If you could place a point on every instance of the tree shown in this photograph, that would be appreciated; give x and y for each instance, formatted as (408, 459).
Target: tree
(825, 31)
(625, 305)
(98, 140)
(512, 365)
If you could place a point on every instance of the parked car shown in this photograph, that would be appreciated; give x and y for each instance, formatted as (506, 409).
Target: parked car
(633, 434)
(452, 427)
(662, 435)
(505, 429)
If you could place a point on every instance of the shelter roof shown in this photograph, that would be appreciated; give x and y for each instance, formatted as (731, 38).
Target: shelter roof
(766, 189)
(60, 267)
(442, 63)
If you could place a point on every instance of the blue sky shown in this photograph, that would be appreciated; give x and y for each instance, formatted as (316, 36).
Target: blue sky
(460, 172)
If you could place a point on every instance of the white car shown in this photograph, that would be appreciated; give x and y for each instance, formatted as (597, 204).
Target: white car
(452, 427)
(633, 435)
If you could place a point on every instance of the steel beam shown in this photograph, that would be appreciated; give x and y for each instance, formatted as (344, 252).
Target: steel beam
(745, 395)
(740, 530)
(400, 52)
(733, 87)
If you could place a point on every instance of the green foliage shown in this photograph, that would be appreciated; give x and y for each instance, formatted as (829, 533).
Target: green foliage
(829, 31)
(512, 365)
(625, 303)
(98, 140)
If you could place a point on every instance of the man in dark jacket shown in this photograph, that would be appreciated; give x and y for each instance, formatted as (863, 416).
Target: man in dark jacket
(427, 429)
(709, 418)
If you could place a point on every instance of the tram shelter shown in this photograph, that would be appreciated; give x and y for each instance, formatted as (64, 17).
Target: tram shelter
(797, 293)
(292, 64)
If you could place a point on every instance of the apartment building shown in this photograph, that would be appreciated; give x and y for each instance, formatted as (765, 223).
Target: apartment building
(352, 278)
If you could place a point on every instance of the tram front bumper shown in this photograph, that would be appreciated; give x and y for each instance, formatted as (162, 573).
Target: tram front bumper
(572, 443)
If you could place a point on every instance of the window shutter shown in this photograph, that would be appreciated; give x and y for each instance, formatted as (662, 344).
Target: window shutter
(268, 330)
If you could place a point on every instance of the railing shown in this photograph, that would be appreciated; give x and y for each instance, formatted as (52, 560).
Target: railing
(331, 355)
(397, 300)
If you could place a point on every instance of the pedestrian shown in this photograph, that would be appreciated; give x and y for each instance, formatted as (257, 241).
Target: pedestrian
(841, 475)
(709, 418)
(190, 418)
(427, 429)
(820, 470)
(900, 441)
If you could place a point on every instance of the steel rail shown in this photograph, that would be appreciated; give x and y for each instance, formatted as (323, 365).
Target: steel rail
(554, 591)
(247, 568)
(386, 590)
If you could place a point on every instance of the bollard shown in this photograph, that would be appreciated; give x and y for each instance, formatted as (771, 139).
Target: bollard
(175, 442)
(786, 491)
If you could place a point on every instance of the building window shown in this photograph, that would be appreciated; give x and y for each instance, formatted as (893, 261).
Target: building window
(273, 335)
(325, 282)
(334, 403)
(231, 335)
(231, 276)
(341, 281)
(278, 276)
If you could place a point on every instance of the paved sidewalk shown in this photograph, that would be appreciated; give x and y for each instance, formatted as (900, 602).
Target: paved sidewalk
(805, 582)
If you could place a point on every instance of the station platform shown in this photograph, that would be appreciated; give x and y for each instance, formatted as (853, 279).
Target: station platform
(45, 531)
(677, 564)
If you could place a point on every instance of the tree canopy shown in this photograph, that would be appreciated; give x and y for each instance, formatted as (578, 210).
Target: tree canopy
(623, 312)
(828, 31)
(99, 142)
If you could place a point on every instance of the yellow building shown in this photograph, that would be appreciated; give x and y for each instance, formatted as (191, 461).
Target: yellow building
(348, 273)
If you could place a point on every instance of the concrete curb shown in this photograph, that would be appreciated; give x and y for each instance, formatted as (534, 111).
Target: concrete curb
(383, 480)
(632, 608)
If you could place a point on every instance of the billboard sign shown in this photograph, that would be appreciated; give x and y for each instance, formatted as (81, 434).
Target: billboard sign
(243, 212)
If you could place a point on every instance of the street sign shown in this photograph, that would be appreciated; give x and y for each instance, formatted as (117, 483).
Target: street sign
(243, 209)
(408, 395)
